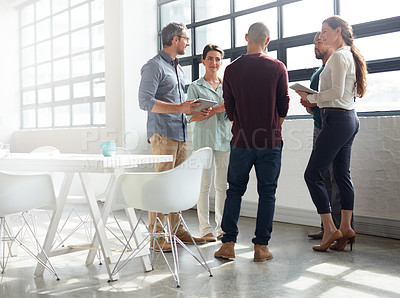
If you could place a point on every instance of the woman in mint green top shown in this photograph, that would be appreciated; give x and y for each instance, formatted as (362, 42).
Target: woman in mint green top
(213, 131)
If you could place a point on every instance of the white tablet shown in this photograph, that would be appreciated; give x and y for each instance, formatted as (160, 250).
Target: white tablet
(300, 87)
(205, 103)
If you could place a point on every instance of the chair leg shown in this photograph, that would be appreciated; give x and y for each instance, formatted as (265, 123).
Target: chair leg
(48, 266)
(203, 262)
(153, 236)
(174, 240)
(7, 236)
(15, 221)
(174, 248)
(82, 222)
(9, 243)
(132, 219)
(121, 263)
(3, 243)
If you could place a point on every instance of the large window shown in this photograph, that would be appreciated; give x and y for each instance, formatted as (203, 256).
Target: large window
(293, 24)
(62, 63)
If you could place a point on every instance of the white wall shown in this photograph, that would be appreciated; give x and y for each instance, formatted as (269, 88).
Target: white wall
(376, 168)
(140, 44)
(9, 73)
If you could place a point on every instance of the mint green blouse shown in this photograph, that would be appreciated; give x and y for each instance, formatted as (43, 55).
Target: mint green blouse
(215, 131)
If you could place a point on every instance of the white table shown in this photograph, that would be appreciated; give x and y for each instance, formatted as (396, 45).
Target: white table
(82, 164)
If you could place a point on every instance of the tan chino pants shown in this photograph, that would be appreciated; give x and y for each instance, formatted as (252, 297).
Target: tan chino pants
(162, 145)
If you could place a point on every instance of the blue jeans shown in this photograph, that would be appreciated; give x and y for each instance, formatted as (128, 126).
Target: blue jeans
(333, 145)
(267, 163)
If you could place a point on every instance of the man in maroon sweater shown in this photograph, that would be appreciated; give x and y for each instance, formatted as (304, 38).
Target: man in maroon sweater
(255, 91)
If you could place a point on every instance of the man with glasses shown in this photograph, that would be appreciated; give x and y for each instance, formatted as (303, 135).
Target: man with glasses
(161, 94)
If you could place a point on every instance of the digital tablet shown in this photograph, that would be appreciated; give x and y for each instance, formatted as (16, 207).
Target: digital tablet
(300, 87)
(205, 103)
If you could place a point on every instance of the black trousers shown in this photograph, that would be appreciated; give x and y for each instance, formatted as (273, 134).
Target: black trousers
(333, 145)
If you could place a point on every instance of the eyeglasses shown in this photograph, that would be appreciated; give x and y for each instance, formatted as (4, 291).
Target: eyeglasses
(185, 37)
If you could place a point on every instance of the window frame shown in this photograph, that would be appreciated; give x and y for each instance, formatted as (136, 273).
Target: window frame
(90, 77)
(281, 44)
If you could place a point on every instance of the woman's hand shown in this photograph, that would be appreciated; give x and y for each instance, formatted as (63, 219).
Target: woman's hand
(199, 116)
(303, 95)
(307, 104)
(211, 111)
(304, 100)
(219, 109)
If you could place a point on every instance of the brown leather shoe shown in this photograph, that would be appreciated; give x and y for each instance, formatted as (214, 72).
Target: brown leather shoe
(226, 251)
(316, 235)
(261, 253)
(209, 237)
(348, 238)
(184, 236)
(161, 243)
(220, 235)
(334, 237)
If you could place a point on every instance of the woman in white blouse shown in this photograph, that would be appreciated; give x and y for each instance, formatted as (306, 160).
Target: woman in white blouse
(343, 78)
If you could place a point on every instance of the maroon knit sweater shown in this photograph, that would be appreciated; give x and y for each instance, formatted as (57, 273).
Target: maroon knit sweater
(255, 91)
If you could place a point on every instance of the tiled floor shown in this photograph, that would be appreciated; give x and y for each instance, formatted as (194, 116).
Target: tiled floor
(371, 270)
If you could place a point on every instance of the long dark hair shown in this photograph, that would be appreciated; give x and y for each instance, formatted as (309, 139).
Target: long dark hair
(348, 37)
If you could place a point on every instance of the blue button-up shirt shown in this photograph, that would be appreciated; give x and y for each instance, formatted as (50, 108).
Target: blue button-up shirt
(162, 81)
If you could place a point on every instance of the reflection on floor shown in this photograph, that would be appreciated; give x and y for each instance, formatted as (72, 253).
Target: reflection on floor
(371, 270)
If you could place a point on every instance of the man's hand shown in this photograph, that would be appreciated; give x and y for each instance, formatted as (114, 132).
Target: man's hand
(188, 107)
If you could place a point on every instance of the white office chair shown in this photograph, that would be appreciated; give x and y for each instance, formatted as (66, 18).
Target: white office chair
(49, 150)
(163, 192)
(19, 194)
